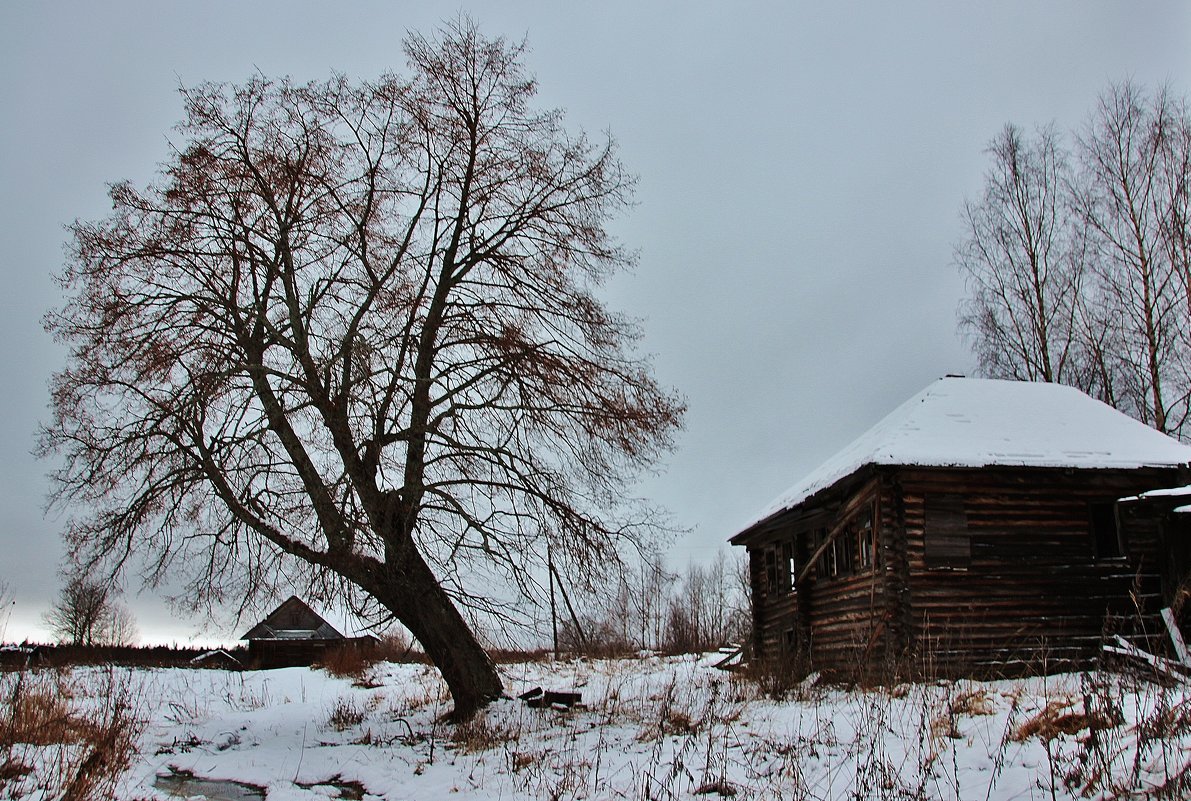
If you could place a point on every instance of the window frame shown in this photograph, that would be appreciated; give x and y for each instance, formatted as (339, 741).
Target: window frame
(1098, 511)
(866, 541)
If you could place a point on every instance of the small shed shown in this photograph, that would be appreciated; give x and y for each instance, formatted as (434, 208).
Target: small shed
(1166, 515)
(295, 635)
(974, 530)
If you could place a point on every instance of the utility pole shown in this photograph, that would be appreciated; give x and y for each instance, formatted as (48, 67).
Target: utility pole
(553, 608)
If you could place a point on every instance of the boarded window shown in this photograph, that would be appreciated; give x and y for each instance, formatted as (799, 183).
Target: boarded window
(771, 570)
(946, 540)
(1106, 534)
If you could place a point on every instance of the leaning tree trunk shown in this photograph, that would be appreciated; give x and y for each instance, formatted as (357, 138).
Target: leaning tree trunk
(417, 599)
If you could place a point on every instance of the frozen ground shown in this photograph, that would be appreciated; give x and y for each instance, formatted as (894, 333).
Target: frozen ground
(655, 728)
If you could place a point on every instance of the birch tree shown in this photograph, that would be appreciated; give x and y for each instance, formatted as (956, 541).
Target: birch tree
(1079, 267)
(1127, 194)
(1022, 261)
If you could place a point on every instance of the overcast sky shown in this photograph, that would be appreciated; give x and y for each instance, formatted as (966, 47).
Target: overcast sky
(801, 168)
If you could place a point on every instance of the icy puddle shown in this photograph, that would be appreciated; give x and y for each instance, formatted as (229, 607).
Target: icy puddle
(187, 785)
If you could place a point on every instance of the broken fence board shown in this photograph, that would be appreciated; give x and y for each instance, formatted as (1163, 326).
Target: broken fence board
(1169, 669)
(1176, 637)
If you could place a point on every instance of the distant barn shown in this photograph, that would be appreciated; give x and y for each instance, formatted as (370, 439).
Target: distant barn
(976, 529)
(293, 635)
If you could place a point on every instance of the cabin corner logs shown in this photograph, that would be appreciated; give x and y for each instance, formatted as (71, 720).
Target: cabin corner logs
(903, 571)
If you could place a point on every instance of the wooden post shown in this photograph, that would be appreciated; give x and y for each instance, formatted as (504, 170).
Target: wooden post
(566, 600)
(553, 607)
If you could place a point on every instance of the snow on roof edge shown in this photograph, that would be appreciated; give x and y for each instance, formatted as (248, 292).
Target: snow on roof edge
(972, 422)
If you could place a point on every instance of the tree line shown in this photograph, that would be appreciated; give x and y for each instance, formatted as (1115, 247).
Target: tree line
(1077, 256)
(647, 607)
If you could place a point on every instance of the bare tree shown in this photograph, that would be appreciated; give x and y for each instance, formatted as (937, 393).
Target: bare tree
(706, 610)
(1080, 271)
(625, 612)
(350, 341)
(650, 586)
(1022, 261)
(89, 613)
(1122, 194)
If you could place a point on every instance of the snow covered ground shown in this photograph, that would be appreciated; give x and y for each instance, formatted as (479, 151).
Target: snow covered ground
(650, 728)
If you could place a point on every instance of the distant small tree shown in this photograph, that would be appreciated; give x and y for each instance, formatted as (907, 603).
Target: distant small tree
(706, 609)
(88, 613)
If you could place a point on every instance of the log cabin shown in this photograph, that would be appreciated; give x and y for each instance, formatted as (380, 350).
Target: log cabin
(975, 530)
(294, 635)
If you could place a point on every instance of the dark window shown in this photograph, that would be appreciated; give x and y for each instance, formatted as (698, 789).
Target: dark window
(770, 570)
(946, 540)
(1106, 534)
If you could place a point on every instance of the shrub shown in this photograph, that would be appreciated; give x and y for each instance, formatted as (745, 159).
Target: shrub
(348, 661)
(82, 749)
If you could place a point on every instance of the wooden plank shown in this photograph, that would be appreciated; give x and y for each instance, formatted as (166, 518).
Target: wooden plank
(1176, 636)
(1163, 666)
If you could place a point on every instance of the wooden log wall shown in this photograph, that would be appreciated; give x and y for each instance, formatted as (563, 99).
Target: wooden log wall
(1027, 590)
(831, 622)
(848, 620)
(1034, 595)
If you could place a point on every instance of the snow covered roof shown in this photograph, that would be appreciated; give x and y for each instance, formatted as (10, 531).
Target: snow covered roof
(293, 620)
(973, 422)
(1171, 492)
(1165, 492)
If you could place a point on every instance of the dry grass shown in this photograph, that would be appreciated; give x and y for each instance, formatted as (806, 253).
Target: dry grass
(692, 734)
(347, 662)
(973, 702)
(82, 746)
(348, 712)
(1054, 720)
(481, 734)
(40, 712)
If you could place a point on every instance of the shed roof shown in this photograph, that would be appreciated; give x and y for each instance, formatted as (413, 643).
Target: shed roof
(293, 620)
(974, 422)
